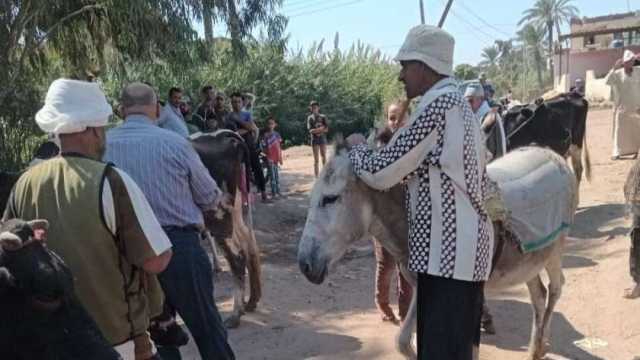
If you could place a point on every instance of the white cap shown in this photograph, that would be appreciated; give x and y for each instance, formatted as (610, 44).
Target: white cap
(474, 90)
(72, 106)
(628, 56)
(430, 45)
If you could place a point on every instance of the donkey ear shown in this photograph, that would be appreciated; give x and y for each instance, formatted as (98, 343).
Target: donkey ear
(10, 241)
(39, 224)
(339, 143)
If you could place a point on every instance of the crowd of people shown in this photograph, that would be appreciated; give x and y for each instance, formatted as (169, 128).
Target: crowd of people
(216, 112)
(138, 195)
(143, 194)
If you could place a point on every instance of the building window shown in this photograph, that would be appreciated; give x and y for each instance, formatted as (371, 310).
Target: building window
(617, 36)
(589, 40)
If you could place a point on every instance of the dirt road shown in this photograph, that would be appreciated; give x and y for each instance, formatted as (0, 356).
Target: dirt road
(338, 320)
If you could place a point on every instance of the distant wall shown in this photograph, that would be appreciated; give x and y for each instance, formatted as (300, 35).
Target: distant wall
(575, 65)
(596, 90)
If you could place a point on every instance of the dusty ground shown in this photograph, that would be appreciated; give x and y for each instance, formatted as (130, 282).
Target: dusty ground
(338, 320)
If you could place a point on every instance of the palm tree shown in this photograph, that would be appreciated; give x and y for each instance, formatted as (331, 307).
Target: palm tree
(240, 17)
(505, 47)
(490, 56)
(532, 38)
(549, 14)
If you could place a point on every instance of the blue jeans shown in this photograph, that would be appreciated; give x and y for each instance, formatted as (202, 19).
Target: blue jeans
(274, 169)
(188, 286)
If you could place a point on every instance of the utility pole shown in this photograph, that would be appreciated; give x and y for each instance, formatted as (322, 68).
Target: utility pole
(422, 11)
(445, 13)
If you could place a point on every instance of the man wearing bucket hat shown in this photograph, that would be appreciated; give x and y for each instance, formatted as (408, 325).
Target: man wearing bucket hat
(101, 223)
(440, 156)
(624, 80)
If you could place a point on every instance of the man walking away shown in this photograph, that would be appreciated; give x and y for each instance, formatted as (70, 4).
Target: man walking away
(318, 127)
(100, 221)
(179, 189)
(441, 156)
(171, 117)
(624, 80)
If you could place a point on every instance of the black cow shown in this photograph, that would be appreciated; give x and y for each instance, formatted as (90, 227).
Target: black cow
(558, 123)
(41, 317)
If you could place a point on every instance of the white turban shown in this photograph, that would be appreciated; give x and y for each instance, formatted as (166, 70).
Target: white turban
(628, 56)
(72, 106)
(430, 45)
(474, 90)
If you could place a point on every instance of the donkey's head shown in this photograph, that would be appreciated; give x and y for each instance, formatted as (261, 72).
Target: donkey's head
(339, 214)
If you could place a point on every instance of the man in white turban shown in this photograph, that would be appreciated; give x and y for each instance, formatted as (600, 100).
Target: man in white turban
(624, 80)
(101, 223)
(490, 120)
(440, 154)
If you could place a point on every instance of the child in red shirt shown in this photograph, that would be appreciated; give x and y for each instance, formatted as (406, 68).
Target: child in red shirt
(271, 146)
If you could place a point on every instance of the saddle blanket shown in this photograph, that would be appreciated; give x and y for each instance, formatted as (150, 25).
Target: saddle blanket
(539, 194)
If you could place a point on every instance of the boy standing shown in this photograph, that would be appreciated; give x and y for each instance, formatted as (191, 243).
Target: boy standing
(271, 142)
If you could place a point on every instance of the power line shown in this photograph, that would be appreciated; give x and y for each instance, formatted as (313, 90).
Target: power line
(481, 19)
(306, 5)
(324, 9)
(474, 29)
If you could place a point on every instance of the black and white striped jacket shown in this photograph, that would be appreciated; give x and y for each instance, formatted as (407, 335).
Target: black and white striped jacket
(440, 156)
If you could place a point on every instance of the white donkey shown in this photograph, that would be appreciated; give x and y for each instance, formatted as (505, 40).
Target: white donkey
(343, 209)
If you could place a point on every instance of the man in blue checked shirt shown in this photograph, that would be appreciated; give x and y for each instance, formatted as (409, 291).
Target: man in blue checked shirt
(179, 188)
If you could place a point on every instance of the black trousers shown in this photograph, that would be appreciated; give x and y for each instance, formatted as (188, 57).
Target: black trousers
(634, 252)
(188, 286)
(449, 313)
(254, 159)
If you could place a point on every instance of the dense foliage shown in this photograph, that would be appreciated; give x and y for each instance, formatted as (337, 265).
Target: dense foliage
(119, 41)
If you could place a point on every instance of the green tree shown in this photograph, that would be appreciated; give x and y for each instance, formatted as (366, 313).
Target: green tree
(240, 18)
(490, 56)
(532, 38)
(549, 14)
(465, 72)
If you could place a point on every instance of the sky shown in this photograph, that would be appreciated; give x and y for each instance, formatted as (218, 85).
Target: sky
(384, 23)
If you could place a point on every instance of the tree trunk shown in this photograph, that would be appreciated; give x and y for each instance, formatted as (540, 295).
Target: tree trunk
(207, 19)
(538, 59)
(550, 30)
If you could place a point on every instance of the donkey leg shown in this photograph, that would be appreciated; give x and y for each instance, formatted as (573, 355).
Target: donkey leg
(538, 294)
(556, 281)
(237, 263)
(407, 328)
(255, 273)
(233, 321)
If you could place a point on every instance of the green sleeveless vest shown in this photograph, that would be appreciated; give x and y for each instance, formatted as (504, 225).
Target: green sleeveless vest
(66, 190)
